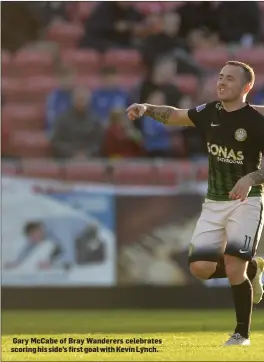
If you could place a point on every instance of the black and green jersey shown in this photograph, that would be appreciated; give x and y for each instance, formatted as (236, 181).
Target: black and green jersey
(235, 143)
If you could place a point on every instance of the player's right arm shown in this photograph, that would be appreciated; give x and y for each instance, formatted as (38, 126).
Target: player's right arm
(164, 114)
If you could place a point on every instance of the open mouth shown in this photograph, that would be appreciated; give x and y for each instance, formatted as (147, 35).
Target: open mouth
(221, 90)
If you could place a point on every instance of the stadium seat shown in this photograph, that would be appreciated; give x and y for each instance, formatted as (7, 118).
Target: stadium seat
(9, 168)
(86, 171)
(211, 58)
(85, 61)
(32, 62)
(167, 174)
(126, 61)
(42, 168)
(254, 57)
(202, 172)
(11, 88)
(187, 84)
(129, 81)
(29, 144)
(66, 35)
(134, 173)
(23, 116)
(36, 89)
(33, 89)
(185, 171)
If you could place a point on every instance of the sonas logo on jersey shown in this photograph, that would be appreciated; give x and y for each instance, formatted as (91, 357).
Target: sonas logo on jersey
(225, 155)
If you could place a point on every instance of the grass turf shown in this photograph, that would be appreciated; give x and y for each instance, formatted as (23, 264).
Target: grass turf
(185, 335)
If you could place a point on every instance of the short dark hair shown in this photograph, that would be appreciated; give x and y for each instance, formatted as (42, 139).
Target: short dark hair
(248, 71)
(31, 226)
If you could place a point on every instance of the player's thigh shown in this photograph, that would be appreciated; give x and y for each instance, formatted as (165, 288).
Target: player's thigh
(244, 228)
(208, 240)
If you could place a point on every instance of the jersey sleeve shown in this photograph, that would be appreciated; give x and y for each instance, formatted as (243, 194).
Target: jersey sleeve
(201, 115)
(259, 134)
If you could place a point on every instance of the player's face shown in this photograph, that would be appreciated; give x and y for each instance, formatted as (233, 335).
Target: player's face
(231, 83)
(166, 69)
(171, 23)
(80, 98)
(37, 235)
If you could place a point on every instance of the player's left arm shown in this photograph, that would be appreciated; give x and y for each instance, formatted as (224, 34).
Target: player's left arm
(257, 177)
(243, 186)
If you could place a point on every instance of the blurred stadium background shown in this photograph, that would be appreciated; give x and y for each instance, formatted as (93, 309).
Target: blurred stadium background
(91, 201)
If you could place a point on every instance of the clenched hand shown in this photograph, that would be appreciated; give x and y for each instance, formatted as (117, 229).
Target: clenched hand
(136, 110)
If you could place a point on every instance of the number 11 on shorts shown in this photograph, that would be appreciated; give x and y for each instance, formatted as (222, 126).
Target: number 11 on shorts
(247, 242)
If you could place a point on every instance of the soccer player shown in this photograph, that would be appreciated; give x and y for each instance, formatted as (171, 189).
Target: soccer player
(229, 228)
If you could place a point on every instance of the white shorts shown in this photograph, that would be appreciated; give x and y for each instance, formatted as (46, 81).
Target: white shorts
(227, 227)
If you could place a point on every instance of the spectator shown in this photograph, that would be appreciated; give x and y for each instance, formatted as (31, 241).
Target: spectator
(109, 95)
(50, 11)
(168, 42)
(77, 132)
(201, 39)
(196, 15)
(161, 78)
(122, 138)
(57, 242)
(153, 23)
(112, 24)
(160, 140)
(164, 42)
(246, 24)
(59, 100)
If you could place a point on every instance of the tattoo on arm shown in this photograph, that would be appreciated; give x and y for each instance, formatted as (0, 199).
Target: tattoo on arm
(257, 177)
(160, 113)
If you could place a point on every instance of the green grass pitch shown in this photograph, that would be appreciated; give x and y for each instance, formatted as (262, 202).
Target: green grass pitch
(186, 335)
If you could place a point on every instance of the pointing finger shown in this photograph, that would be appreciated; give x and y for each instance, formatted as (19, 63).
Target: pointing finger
(130, 108)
